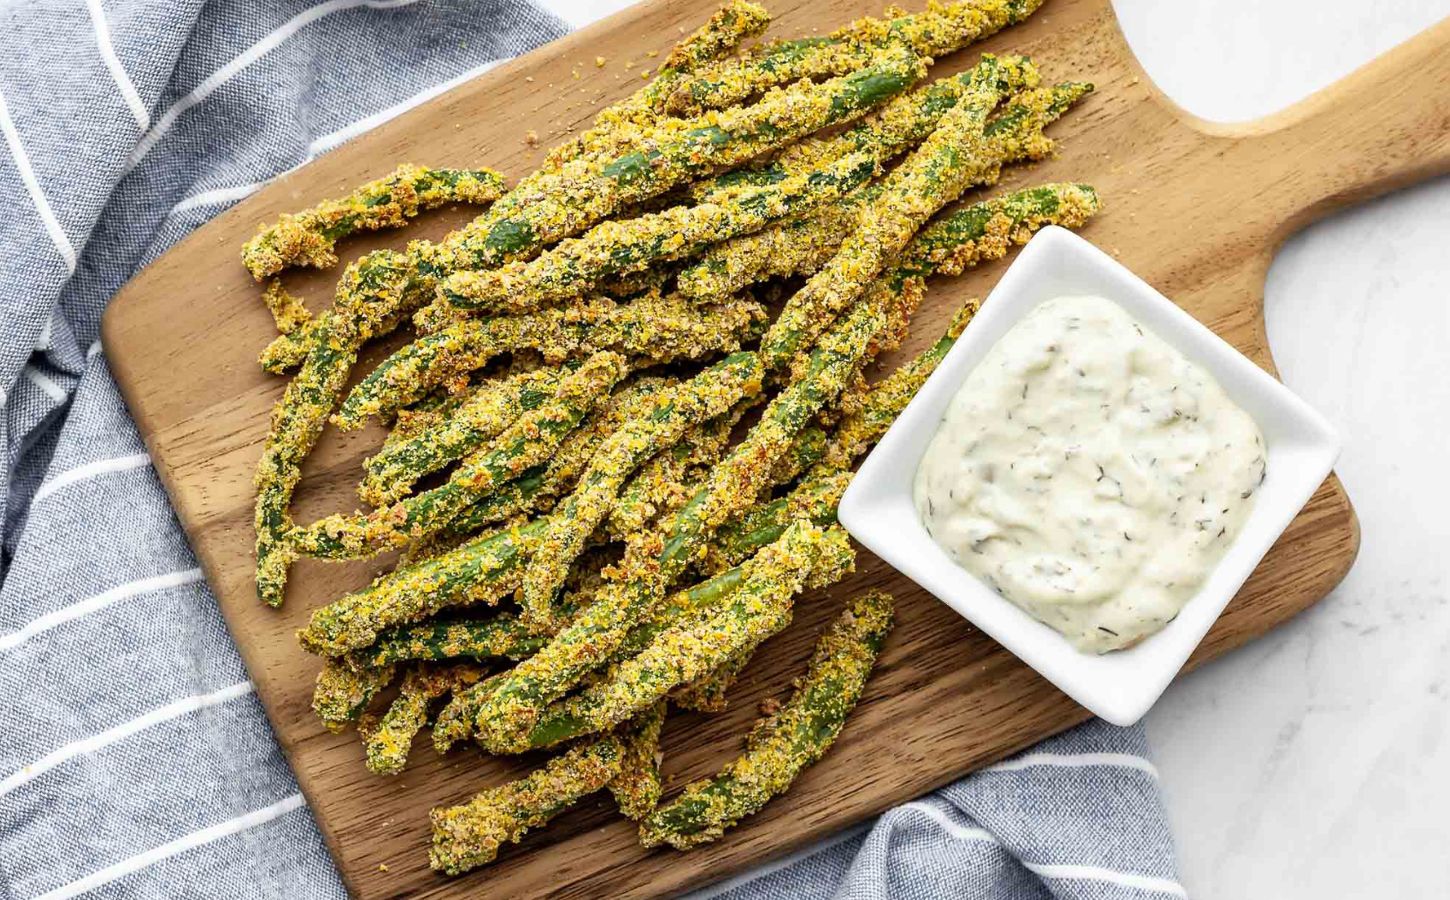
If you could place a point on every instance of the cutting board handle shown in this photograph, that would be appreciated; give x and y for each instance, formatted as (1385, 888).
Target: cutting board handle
(1383, 127)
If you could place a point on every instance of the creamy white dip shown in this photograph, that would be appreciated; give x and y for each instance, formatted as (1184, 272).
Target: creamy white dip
(1090, 473)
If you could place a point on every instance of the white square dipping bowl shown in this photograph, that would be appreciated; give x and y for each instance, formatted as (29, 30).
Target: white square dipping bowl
(1120, 686)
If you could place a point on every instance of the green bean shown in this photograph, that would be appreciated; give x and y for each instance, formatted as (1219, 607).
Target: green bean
(484, 414)
(595, 633)
(616, 125)
(528, 442)
(456, 722)
(307, 238)
(344, 690)
(482, 571)
(812, 501)
(784, 744)
(386, 747)
(502, 636)
(795, 247)
(760, 607)
(675, 412)
(470, 835)
(537, 488)
(655, 329)
(708, 693)
(637, 787)
(933, 175)
(897, 126)
(586, 191)
(663, 484)
(297, 422)
(856, 433)
(288, 311)
(577, 265)
(940, 30)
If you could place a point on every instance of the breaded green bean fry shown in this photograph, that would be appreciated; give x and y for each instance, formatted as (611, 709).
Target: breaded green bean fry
(637, 787)
(707, 694)
(814, 501)
(297, 422)
(529, 441)
(897, 126)
(501, 636)
(675, 411)
(307, 238)
(941, 29)
(344, 690)
(934, 175)
(760, 607)
(663, 484)
(784, 744)
(482, 571)
(587, 190)
(387, 746)
(616, 125)
(483, 415)
(456, 722)
(468, 836)
(538, 488)
(615, 247)
(509, 713)
(656, 329)
(287, 309)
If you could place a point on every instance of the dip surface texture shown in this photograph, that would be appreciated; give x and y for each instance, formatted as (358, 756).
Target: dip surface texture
(1090, 473)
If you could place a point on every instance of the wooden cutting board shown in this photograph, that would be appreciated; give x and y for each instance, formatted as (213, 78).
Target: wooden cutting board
(1195, 208)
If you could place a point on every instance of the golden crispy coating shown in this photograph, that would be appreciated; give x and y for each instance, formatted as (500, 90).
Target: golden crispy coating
(287, 309)
(675, 412)
(618, 125)
(482, 415)
(783, 744)
(941, 29)
(528, 442)
(759, 608)
(387, 746)
(637, 787)
(935, 174)
(344, 690)
(307, 238)
(622, 247)
(470, 835)
(652, 328)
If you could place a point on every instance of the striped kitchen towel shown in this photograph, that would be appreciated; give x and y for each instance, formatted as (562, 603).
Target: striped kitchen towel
(135, 760)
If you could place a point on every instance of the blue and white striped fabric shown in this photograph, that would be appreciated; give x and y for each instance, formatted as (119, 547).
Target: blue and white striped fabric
(134, 758)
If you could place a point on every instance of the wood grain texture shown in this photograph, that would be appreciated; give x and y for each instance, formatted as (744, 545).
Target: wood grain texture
(1197, 209)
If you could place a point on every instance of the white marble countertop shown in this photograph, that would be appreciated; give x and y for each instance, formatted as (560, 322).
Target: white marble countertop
(1315, 762)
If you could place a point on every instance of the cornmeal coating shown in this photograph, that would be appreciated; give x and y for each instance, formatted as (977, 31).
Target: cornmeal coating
(529, 441)
(483, 571)
(675, 412)
(483, 414)
(654, 329)
(637, 787)
(506, 717)
(387, 745)
(470, 835)
(627, 246)
(759, 608)
(783, 744)
(934, 175)
(939, 30)
(616, 126)
(307, 238)
(345, 688)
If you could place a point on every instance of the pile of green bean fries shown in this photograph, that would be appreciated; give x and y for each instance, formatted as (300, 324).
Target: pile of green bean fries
(636, 389)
